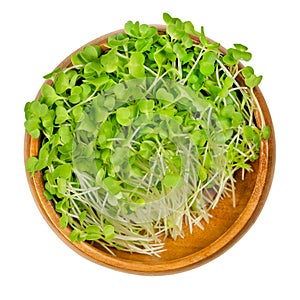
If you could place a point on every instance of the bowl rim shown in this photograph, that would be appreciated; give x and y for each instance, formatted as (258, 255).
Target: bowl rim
(242, 224)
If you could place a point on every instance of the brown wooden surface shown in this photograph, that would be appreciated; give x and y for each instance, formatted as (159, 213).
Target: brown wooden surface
(225, 228)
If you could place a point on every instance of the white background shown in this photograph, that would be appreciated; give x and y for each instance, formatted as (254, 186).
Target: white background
(34, 264)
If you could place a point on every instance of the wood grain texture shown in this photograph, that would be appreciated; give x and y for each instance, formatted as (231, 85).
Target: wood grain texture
(227, 225)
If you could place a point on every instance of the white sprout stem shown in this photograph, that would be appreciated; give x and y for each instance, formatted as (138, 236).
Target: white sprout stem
(183, 82)
(257, 105)
(150, 71)
(90, 98)
(72, 67)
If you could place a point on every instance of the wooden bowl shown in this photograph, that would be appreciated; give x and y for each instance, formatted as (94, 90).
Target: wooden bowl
(227, 225)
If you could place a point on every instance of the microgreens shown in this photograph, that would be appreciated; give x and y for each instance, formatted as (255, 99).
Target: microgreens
(146, 136)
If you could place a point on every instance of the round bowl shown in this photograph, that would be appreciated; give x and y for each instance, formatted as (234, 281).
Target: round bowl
(227, 225)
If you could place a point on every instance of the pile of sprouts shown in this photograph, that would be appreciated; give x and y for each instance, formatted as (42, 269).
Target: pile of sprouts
(141, 140)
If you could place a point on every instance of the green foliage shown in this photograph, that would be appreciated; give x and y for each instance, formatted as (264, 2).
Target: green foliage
(142, 129)
(250, 78)
(207, 63)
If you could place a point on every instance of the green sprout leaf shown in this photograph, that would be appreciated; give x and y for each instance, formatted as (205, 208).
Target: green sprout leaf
(92, 233)
(123, 116)
(136, 65)
(266, 131)
(203, 174)
(146, 106)
(61, 115)
(49, 94)
(110, 61)
(112, 185)
(82, 217)
(31, 164)
(109, 232)
(249, 133)
(61, 83)
(32, 126)
(90, 53)
(207, 64)
(64, 220)
(172, 180)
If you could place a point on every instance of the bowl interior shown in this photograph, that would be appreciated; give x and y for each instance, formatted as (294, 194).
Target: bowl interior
(225, 227)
